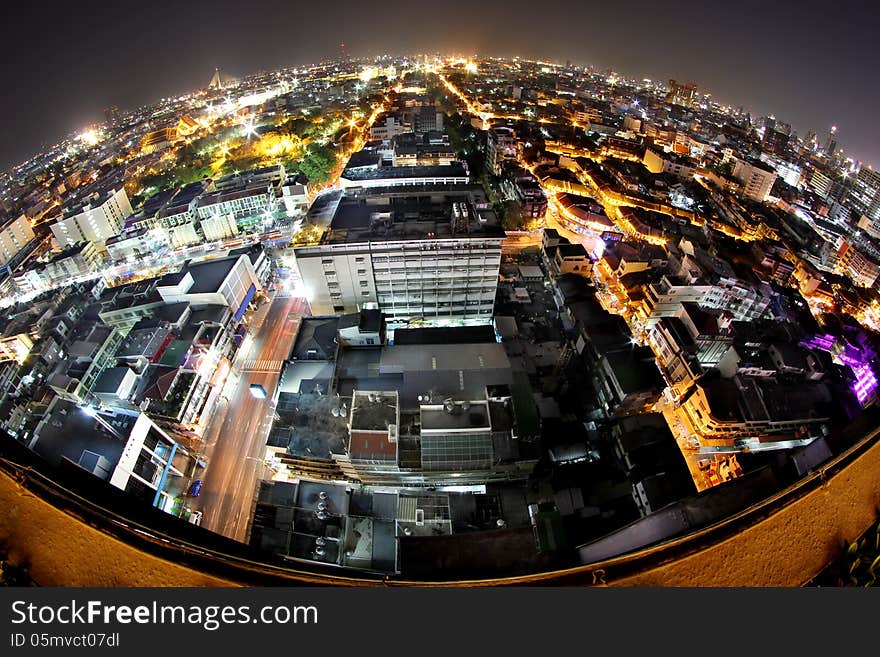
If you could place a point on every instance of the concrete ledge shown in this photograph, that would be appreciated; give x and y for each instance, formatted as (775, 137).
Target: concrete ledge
(784, 541)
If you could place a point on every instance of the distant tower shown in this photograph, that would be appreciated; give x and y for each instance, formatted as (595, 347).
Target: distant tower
(342, 54)
(831, 142)
(111, 114)
(216, 82)
(810, 140)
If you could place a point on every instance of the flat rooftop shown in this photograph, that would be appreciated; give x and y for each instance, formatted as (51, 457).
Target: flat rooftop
(470, 416)
(445, 335)
(373, 411)
(69, 431)
(306, 426)
(412, 212)
(208, 275)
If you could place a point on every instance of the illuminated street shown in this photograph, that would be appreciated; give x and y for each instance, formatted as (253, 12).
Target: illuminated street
(236, 436)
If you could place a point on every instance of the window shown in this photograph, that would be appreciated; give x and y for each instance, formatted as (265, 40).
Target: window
(339, 309)
(364, 283)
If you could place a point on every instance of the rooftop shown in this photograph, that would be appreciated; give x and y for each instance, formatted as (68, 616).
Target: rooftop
(307, 426)
(67, 431)
(454, 170)
(315, 339)
(207, 275)
(373, 411)
(444, 335)
(457, 416)
(143, 342)
(412, 212)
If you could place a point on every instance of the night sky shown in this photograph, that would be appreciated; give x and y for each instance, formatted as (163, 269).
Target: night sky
(812, 64)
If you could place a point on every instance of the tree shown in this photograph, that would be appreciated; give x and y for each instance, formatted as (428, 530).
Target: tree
(512, 216)
(318, 164)
(298, 126)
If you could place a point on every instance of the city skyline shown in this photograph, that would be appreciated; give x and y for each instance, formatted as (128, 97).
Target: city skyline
(789, 71)
(443, 316)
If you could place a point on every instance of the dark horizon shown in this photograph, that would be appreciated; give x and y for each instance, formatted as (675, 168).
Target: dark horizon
(804, 64)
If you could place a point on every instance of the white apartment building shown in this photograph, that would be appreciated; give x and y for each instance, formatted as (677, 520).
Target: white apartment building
(14, 236)
(389, 128)
(76, 262)
(219, 227)
(101, 217)
(230, 281)
(295, 197)
(241, 204)
(137, 244)
(664, 299)
(670, 163)
(757, 180)
(183, 235)
(415, 254)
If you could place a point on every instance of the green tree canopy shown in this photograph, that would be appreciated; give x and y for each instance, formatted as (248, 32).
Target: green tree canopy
(318, 164)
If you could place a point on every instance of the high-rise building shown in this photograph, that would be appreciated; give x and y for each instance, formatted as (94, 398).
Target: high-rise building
(429, 253)
(14, 236)
(865, 193)
(860, 269)
(776, 140)
(427, 118)
(684, 94)
(102, 216)
(831, 143)
(757, 178)
(501, 145)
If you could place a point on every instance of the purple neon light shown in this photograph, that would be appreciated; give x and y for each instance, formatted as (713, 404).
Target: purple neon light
(865, 383)
(857, 358)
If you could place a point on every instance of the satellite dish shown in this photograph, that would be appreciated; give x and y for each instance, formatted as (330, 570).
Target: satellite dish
(334, 411)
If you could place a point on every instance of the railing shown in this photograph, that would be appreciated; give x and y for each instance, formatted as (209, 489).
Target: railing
(783, 540)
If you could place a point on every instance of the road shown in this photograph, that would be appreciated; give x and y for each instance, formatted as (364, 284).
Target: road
(236, 438)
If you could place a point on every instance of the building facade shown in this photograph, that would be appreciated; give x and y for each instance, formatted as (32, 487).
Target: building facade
(97, 220)
(14, 236)
(390, 252)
